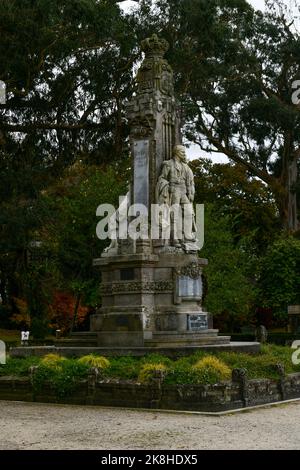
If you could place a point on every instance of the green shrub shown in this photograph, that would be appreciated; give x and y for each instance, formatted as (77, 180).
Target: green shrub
(279, 282)
(257, 366)
(63, 380)
(210, 369)
(126, 368)
(92, 360)
(148, 371)
(18, 366)
(198, 368)
(180, 374)
(155, 358)
(282, 354)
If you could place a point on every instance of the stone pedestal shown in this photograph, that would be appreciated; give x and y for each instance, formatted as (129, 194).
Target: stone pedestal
(153, 300)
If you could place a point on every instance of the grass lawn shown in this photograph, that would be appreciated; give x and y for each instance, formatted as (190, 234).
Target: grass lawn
(14, 336)
(10, 335)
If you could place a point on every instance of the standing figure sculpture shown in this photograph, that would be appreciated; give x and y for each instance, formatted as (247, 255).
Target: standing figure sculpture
(175, 190)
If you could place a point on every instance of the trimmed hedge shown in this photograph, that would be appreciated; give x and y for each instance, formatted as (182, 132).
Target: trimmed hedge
(281, 339)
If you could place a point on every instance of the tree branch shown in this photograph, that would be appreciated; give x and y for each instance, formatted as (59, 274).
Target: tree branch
(47, 126)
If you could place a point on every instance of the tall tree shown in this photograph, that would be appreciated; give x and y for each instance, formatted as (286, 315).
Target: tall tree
(67, 69)
(246, 202)
(236, 68)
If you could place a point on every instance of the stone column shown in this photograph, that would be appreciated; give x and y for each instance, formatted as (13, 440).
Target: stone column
(153, 119)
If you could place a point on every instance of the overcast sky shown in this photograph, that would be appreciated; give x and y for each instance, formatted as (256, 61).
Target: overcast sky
(259, 4)
(194, 151)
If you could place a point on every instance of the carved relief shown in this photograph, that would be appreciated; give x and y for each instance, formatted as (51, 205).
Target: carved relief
(136, 286)
(155, 73)
(141, 127)
(193, 270)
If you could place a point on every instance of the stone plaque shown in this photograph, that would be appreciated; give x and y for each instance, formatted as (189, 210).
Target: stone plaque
(189, 287)
(197, 322)
(141, 172)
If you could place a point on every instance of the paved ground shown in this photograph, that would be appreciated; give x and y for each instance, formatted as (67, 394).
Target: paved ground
(41, 426)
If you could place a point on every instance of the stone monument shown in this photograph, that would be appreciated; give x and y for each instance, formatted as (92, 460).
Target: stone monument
(152, 288)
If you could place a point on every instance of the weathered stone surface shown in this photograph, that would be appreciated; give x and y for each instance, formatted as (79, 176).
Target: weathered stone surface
(164, 289)
(141, 172)
(239, 393)
(175, 190)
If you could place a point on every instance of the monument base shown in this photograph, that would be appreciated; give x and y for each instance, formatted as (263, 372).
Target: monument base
(174, 352)
(151, 300)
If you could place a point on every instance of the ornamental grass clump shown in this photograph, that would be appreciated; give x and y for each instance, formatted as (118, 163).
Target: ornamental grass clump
(151, 371)
(99, 362)
(53, 361)
(210, 370)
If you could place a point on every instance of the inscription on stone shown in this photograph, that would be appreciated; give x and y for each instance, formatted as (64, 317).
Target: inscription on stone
(197, 322)
(189, 287)
(141, 172)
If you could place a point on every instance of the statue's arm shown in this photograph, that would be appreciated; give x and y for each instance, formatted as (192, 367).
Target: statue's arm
(190, 186)
(162, 187)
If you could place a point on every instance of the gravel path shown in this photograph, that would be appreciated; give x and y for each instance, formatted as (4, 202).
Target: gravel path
(43, 426)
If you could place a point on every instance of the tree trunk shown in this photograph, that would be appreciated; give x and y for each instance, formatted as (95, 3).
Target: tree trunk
(289, 176)
(75, 312)
(3, 295)
(293, 223)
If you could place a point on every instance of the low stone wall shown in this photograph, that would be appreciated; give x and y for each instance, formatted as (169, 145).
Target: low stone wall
(171, 352)
(238, 393)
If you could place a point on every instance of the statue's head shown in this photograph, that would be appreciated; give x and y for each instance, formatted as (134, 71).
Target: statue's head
(179, 153)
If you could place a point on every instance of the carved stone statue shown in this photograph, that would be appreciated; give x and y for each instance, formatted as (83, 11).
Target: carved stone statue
(175, 187)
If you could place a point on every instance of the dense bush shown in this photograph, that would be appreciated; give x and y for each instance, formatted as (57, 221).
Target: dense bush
(280, 276)
(18, 367)
(126, 368)
(62, 379)
(262, 365)
(280, 338)
(227, 269)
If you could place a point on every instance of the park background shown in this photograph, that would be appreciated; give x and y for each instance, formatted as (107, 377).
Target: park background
(68, 67)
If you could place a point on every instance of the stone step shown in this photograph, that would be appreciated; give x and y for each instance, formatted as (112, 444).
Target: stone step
(90, 335)
(187, 341)
(75, 342)
(185, 334)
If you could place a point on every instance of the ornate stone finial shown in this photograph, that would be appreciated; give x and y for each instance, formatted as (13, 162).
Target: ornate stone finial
(154, 47)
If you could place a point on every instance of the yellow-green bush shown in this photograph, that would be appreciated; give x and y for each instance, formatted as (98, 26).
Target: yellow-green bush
(148, 371)
(53, 361)
(92, 360)
(210, 369)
